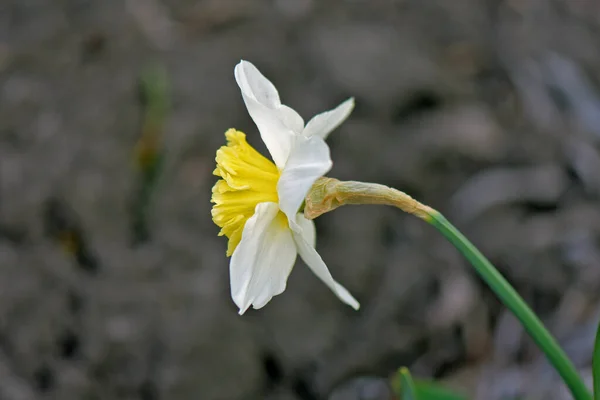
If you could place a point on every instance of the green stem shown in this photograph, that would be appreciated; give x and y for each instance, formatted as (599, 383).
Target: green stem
(517, 305)
(596, 365)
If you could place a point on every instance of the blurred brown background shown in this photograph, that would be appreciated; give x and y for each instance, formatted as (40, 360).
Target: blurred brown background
(487, 110)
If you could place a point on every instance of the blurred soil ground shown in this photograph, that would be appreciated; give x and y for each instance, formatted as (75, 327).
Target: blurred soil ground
(487, 110)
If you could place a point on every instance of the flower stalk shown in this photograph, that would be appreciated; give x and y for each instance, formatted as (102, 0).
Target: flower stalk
(515, 303)
(328, 194)
(596, 365)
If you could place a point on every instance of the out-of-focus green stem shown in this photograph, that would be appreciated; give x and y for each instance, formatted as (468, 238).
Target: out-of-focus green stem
(517, 305)
(407, 386)
(429, 391)
(149, 153)
(424, 390)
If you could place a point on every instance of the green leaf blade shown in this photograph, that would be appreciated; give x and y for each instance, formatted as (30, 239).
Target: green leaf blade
(407, 386)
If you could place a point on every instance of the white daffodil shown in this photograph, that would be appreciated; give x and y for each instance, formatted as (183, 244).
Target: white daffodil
(257, 202)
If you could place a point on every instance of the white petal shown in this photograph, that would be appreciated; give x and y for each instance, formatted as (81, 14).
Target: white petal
(255, 85)
(309, 159)
(277, 137)
(322, 124)
(291, 119)
(277, 123)
(314, 261)
(307, 228)
(263, 260)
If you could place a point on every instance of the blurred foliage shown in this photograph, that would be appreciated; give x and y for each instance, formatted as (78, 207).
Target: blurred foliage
(148, 153)
(408, 389)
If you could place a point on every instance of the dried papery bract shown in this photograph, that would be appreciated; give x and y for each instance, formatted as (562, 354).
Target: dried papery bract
(327, 194)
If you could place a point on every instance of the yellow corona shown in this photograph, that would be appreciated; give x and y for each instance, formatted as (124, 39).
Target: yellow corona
(248, 178)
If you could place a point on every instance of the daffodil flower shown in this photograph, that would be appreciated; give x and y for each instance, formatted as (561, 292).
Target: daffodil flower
(257, 201)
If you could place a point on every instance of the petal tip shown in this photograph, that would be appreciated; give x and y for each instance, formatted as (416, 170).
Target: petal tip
(242, 65)
(242, 304)
(348, 106)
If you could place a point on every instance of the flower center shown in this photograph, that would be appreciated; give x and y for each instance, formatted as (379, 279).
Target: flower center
(248, 178)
